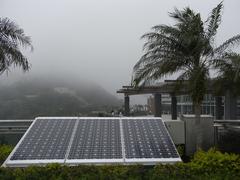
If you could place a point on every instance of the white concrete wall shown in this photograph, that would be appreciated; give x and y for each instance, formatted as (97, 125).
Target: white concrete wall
(198, 136)
(176, 130)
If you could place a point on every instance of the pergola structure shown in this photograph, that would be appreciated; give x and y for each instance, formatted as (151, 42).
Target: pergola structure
(169, 87)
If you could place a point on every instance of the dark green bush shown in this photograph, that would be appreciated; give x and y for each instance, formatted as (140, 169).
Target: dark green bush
(180, 149)
(204, 165)
(5, 150)
(215, 161)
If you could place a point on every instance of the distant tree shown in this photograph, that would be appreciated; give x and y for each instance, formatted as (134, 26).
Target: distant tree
(12, 38)
(228, 74)
(228, 81)
(187, 48)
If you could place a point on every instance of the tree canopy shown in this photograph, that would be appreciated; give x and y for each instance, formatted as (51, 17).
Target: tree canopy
(187, 48)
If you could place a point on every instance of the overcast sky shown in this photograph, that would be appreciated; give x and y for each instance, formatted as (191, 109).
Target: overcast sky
(99, 39)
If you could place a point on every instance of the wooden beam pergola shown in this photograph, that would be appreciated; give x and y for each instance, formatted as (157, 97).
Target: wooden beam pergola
(166, 87)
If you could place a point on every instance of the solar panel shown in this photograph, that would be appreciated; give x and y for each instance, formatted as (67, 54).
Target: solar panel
(86, 140)
(96, 139)
(147, 140)
(46, 141)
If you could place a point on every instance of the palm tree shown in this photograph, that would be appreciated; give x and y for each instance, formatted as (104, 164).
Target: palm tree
(228, 80)
(228, 73)
(12, 38)
(187, 48)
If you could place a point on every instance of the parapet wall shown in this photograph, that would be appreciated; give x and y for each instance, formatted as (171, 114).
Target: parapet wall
(198, 135)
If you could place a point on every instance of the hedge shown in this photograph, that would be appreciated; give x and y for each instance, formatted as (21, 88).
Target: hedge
(5, 150)
(204, 165)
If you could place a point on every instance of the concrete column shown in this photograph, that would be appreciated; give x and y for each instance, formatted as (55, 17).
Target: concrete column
(230, 105)
(173, 106)
(126, 105)
(199, 135)
(157, 105)
(218, 107)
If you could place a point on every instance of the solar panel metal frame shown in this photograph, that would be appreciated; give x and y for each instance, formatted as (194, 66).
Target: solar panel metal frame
(39, 162)
(126, 161)
(152, 161)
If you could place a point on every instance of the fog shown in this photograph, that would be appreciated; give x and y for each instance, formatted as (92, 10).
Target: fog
(98, 40)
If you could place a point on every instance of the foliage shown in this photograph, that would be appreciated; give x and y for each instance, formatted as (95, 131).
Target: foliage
(180, 149)
(187, 48)
(12, 38)
(214, 161)
(204, 165)
(5, 150)
(229, 74)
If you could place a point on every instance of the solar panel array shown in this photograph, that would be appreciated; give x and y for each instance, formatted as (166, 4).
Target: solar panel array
(94, 140)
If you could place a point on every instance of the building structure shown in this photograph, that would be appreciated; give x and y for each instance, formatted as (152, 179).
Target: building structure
(225, 106)
(166, 104)
(184, 104)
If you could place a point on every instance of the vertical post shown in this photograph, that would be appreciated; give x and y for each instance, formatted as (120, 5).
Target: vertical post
(126, 105)
(227, 108)
(173, 106)
(218, 107)
(157, 105)
(181, 97)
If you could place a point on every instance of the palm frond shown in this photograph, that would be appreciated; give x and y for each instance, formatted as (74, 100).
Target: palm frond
(235, 40)
(9, 29)
(12, 56)
(236, 67)
(177, 14)
(182, 16)
(167, 30)
(214, 21)
(158, 66)
(163, 42)
(11, 39)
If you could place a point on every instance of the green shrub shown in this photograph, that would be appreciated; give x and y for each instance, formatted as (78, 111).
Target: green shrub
(5, 150)
(180, 149)
(214, 161)
(204, 165)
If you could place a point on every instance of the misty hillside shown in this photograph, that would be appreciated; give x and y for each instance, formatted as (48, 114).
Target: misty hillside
(53, 97)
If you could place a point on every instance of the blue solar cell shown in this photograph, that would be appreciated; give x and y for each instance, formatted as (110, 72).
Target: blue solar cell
(147, 138)
(47, 139)
(96, 139)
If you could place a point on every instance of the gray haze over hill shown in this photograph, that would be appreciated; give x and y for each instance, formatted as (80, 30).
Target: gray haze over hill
(53, 96)
(98, 40)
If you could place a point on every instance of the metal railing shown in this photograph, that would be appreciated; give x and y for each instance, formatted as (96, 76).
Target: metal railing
(18, 126)
(227, 134)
